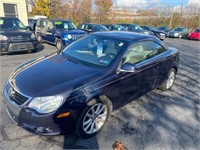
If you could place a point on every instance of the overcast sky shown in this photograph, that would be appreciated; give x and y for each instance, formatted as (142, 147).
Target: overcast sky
(151, 3)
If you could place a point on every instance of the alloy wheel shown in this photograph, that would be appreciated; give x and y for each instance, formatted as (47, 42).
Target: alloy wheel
(95, 118)
(58, 45)
(170, 80)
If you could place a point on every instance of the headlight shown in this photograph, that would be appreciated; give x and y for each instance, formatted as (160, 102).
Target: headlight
(46, 104)
(33, 36)
(3, 38)
(69, 36)
(176, 34)
(146, 32)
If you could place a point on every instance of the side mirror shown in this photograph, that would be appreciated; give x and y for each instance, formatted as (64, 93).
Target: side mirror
(127, 67)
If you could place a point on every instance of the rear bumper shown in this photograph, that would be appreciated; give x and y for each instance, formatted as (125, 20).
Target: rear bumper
(10, 47)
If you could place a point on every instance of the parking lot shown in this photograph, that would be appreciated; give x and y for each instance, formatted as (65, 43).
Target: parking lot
(159, 120)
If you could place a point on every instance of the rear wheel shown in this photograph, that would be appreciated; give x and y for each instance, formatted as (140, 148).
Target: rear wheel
(169, 81)
(92, 119)
(39, 38)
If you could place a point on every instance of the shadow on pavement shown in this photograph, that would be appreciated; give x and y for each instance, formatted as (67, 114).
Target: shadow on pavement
(72, 141)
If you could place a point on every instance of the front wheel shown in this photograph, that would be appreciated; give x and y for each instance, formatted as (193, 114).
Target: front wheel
(59, 44)
(34, 51)
(92, 119)
(169, 81)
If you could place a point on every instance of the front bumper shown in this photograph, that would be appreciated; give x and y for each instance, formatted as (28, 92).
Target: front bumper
(162, 36)
(34, 122)
(194, 37)
(174, 35)
(9, 47)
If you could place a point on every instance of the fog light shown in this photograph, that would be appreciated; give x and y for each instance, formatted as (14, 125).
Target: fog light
(63, 115)
(3, 49)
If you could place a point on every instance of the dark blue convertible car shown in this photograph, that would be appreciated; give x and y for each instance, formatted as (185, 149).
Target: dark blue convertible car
(78, 88)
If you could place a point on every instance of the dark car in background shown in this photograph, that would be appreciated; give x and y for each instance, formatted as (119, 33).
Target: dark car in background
(91, 27)
(78, 88)
(179, 33)
(115, 27)
(134, 28)
(194, 35)
(164, 28)
(15, 37)
(58, 32)
(159, 34)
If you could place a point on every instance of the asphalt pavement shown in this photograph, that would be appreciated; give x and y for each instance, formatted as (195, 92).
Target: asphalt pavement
(158, 120)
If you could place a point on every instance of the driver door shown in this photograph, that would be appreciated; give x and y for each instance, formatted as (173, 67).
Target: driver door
(131, 85)
(49, 33)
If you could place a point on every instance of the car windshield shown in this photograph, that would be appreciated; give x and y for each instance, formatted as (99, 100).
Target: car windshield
(178, 29)
(94, 51)
(100, 28)
(197, 30)
(152, 28)
(11, 24)
(65, 25)
(119, 28)
(137, 27)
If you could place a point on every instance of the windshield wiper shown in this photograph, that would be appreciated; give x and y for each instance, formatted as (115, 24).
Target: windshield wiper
(70, 59)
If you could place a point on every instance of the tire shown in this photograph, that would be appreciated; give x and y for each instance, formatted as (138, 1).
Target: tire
(39, 38)
(59, 44)
(34, 51)
(169, 81)
(92, 119)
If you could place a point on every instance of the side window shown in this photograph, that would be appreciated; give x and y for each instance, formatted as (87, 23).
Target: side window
(43, 23)
(50, 25)
(151, 49)
(142, 51)
(134, 54)
(82, 26)
(88, 28)
(38, 22)
(97, 28)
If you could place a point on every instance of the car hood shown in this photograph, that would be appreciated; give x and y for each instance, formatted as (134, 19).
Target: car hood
(75, 31)
(52, 75)
(16, 33)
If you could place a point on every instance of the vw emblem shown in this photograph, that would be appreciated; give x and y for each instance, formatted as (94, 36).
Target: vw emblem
(11, 92)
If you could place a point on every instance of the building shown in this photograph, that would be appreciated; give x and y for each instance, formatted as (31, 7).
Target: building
(14, 8)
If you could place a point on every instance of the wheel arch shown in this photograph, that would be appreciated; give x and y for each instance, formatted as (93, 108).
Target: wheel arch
(98, 98)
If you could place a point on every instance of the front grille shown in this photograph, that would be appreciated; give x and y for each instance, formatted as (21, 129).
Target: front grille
(21, 46)
(16, 96)
(19, 39)
(77, 36)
